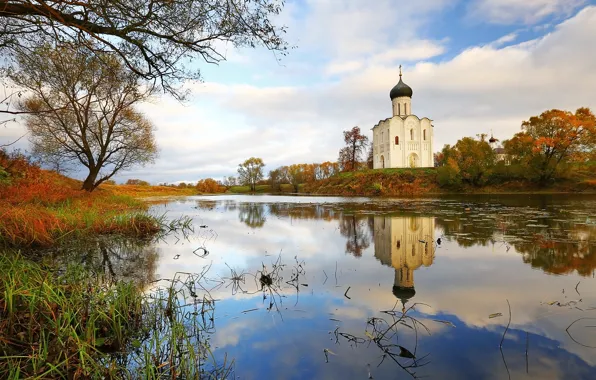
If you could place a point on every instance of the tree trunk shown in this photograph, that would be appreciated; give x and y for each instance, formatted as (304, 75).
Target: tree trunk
(89, 183)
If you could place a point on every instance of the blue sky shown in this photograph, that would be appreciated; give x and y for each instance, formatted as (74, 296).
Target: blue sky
(473, 65)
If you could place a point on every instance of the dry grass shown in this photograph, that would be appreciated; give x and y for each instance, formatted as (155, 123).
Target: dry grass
(148, 191)
(42, 208)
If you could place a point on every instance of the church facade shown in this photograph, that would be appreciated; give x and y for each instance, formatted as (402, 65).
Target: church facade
(403, 140)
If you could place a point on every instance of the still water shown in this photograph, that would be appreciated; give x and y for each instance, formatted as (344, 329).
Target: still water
(358, 288)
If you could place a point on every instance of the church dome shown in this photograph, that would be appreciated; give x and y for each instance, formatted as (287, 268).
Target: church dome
(400, 89)
(403, 293)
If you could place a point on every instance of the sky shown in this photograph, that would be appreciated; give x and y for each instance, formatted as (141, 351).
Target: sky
(475, 66)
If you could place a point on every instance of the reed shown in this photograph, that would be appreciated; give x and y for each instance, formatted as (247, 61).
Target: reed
(68, 324)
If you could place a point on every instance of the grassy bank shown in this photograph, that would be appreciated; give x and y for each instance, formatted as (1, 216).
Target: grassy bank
(68, 324)
(43, 208)
(261, 189)
(421, 181)
(137, 191)
(385, 182)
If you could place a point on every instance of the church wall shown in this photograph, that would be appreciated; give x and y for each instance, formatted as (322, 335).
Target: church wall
(398, 244)
(398, 155)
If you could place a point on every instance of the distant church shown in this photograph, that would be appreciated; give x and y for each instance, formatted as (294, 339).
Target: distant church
(403, 140)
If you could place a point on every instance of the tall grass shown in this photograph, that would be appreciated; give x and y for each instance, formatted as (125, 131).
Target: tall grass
(43, 208)
(68, 324)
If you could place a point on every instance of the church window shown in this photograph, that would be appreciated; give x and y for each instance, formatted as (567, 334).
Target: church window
(424, 134)
(411, 134)
(396, 140)
(398, 109)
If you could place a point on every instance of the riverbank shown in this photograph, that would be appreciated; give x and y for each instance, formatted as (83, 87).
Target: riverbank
(68, 323)
(415, 182)
(40, 208)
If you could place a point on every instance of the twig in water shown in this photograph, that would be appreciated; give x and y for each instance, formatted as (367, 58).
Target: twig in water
(336, 273)
(346, 293)
(326, 278)
(576, 289)
(572, 338)
(527, 345)
(506, 328)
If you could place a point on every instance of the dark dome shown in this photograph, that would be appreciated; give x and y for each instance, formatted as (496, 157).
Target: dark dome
(403, 293)
(492, 140)
(400, 89)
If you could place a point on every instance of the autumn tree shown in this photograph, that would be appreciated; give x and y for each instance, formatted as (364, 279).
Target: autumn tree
(551, 140)
(356, 143)
(369, 158)
(276, 178)
(296, 175)
(229, 181)
(82, 110)
(469, 160)
(136, 182)
(155, 39)
(209, 186)
(250, 172)
(326, 170)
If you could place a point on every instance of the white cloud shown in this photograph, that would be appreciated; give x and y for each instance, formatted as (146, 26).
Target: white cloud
(341, 75)
(524, 11)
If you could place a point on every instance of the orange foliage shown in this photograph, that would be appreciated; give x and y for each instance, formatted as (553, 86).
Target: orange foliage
(401, 182)
(39, 207)
(209, 186)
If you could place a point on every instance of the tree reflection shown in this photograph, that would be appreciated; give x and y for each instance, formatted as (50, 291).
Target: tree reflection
(113, 258)
(554, 242)
(354, 228)
(252, 214)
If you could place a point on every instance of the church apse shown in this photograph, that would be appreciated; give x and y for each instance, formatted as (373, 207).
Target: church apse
(405, 243)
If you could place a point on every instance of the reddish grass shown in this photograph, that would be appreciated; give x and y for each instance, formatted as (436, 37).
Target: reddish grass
(404, 182)
(40, 208)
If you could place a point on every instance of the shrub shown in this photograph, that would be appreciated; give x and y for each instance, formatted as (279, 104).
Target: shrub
(209, 185)
(137, 182)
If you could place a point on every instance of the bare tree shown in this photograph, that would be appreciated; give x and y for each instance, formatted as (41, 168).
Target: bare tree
(156, 39)
(81, 109)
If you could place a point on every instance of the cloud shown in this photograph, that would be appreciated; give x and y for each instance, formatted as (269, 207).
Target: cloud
(341, 75)
(521, 12)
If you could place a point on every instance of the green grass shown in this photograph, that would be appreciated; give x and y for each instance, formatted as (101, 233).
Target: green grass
(68, 324)
(246, 189)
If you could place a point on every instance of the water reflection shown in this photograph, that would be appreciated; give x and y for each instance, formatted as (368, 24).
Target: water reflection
(111, 258)
(404, 243)
(252, 214)
(357, 231)
(363, 258)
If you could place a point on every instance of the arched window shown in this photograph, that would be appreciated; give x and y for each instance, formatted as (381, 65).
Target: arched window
(396, 140)
(424, 134)
(398, 109)
(411, 134)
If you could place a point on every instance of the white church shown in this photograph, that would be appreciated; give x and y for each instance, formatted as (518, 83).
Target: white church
(403, 140)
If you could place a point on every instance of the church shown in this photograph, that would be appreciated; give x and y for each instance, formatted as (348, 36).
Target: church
(403, 140)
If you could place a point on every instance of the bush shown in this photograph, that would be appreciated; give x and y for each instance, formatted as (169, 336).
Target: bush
(4, 177)
(210, 186)
(137, 182)
(448, 176)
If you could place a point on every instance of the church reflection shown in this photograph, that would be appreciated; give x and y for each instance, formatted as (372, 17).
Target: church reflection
(405, 243)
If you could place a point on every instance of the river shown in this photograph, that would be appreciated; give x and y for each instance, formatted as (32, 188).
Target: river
(474, 287)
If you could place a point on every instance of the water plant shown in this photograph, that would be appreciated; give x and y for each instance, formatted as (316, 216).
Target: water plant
(67, 323)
